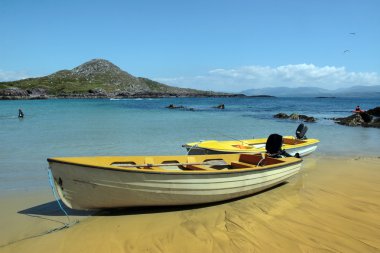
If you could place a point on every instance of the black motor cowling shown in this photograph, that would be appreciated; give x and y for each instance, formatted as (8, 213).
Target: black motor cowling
(273, 147)
(274, 143)
(301, 131)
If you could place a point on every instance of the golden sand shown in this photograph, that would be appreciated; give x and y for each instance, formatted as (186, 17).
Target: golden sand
(333, 205)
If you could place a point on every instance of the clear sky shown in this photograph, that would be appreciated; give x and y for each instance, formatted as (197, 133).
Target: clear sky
(213, 45)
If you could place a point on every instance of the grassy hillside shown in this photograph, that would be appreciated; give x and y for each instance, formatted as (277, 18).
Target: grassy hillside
(99, 77)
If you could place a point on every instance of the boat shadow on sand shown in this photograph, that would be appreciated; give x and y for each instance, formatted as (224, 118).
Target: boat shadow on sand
(52, 208)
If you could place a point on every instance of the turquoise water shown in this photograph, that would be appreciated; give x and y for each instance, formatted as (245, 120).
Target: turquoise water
(73, 127)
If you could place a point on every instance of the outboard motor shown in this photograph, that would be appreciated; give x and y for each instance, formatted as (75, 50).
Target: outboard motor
(274, 143)
(301, 131)
(273, 147)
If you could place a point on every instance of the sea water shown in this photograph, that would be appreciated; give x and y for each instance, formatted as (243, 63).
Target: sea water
(100, 127)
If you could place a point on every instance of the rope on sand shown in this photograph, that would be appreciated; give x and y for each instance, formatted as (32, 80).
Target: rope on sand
(65, 225)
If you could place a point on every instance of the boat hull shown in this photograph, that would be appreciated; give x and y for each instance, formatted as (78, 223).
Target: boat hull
(85, 187)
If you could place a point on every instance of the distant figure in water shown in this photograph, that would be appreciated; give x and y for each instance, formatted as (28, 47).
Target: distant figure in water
(20, 113)
(221, 106)
(357, 109)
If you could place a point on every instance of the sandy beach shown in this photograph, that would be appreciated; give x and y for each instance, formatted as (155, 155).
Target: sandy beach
(331, 206)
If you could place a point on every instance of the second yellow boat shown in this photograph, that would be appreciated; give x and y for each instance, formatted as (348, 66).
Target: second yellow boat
(292, 145)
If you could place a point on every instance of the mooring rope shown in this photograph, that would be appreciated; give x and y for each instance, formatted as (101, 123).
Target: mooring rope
(52, 186)
(196, 145)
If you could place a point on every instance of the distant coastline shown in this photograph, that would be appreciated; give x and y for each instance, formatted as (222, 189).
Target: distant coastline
(261, 96)
(19, 94)
(316, 92)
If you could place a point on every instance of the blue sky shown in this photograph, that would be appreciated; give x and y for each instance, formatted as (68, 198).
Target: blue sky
(212, 45)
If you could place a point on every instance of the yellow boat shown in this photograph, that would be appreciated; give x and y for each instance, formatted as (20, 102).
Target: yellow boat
(292, 145)
(126, 181)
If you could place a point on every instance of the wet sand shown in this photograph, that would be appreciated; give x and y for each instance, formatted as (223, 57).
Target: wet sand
(333, 205)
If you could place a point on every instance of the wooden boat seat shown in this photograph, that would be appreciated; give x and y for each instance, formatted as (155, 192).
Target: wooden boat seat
(241, 165)
(292, 141)
(249, 159)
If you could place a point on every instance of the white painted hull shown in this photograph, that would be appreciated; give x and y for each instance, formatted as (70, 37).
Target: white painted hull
(84, 187)
(303, 151)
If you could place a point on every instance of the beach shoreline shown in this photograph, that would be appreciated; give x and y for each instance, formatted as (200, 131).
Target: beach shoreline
(331, 206)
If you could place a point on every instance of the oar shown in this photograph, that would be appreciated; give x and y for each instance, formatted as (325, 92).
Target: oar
(160, 164)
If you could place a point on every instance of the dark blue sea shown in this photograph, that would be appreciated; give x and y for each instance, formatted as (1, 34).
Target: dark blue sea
(93, 127)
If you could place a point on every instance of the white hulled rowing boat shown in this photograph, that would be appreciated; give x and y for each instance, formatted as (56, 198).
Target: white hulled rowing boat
(127, 181)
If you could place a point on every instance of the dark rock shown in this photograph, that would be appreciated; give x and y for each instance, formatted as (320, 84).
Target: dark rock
(366, 117)
(374, 123)
(221, 106)
(306, 118)
(374, 111)
(281, 115)
(295, 116)
(172, 106)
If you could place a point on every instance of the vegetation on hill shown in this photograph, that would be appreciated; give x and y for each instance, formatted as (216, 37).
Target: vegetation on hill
(96, 78)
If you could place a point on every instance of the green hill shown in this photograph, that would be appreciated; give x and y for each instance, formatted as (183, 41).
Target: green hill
(96, 78)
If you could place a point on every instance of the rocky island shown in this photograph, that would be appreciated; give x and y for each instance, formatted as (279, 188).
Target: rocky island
(97, 78)
(370, 118)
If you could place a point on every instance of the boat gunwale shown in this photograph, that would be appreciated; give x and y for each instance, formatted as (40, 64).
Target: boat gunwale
(181, 172)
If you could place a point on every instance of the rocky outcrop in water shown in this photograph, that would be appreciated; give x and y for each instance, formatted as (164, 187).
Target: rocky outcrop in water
(221, 106)
(181, 107)
(172, 106)
(295, 116)
(364, 119)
